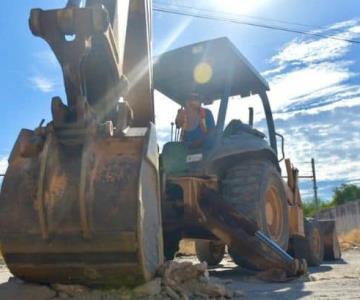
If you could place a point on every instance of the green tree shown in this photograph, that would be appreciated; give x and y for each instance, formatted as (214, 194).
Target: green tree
(310, 207)
(346, 193)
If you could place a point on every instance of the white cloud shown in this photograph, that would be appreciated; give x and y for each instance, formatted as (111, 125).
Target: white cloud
(313, 74)
(342, 25)
(333, 93)
(329, 136)
(46, 74)
(42, 83)
(311, 51)
(287, 87)
(273, 72)
(346, 103)
(3, 165)
(315, 94)
(355, 29)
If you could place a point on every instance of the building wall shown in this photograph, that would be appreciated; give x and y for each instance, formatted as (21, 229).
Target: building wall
(347, 216)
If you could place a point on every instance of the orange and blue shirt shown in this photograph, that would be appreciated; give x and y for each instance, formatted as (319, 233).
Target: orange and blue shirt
(206, 123)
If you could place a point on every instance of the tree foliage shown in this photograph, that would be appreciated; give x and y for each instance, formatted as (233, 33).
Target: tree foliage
(346, 193)
(310, 207)
(342, 194)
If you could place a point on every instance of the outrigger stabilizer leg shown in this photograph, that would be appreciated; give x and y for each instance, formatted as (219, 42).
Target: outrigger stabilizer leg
(244, 235)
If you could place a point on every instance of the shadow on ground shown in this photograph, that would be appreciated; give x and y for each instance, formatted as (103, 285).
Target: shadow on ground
(246, 280)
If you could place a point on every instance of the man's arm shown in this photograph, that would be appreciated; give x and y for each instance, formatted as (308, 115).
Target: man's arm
(180, 118)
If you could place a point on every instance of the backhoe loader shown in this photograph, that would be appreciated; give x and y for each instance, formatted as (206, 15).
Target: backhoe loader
(88, 199)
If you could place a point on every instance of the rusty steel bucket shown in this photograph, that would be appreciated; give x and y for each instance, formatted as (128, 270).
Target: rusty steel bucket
(77, 214)
(332, 250)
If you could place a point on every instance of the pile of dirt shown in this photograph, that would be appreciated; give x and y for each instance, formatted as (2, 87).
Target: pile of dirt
(185, 280)
(351, 240)
(174, 281)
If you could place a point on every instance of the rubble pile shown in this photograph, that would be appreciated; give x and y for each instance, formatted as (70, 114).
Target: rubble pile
(174, 281)
(185, 280)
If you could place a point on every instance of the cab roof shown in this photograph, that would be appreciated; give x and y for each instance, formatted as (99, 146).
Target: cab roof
(206, 69)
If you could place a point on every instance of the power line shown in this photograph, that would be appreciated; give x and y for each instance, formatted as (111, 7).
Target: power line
(237, 21)
(237, 15)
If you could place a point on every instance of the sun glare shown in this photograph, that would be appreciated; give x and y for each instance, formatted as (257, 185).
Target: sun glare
(240, 6)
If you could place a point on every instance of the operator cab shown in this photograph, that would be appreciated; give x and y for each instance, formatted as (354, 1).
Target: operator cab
(214, 70)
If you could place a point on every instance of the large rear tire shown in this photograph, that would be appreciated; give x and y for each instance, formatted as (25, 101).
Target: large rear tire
(212, 252)
(255, 189)
(311, 247)
(240, 260)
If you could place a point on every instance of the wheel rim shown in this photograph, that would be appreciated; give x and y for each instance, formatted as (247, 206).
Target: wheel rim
(274, 213)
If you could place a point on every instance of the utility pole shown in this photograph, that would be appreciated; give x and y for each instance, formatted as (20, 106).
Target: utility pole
(314, 185)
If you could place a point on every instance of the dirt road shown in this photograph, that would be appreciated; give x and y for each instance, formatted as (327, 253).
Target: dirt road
(330, 281)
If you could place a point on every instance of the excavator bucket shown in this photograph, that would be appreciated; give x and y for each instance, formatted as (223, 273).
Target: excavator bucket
(77, 215)
(332, 249)
(80, 201)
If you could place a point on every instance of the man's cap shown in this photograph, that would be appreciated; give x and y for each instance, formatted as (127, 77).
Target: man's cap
(194, 96)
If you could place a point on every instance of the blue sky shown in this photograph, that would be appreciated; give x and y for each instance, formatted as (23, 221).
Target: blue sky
(315, 84)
